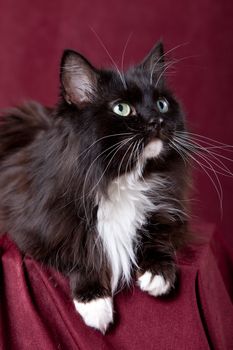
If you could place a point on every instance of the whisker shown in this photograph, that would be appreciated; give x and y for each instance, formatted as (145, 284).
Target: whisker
(122, 160)
(194, 150)
(139, 160)
(161, 57)
(106, 168)
(89, 169)
(202, 137)
(86, 152)
(210, 147)
(100, 139)
(124, 51)
(118, 175)
(110, 57)
(175, 147)
(200, 150)
(130, 162)
(218, 188)
(171, 64)
(116, 149)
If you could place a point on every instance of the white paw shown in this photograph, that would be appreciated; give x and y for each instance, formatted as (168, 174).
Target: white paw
(154, 285)
(97, 313)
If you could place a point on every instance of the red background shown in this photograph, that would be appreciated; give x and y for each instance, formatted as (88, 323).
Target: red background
(33, 35)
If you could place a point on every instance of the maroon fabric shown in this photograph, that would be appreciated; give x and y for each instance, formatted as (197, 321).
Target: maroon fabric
(37, 311)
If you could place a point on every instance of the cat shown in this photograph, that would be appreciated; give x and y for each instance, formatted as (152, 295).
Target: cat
(94, 187)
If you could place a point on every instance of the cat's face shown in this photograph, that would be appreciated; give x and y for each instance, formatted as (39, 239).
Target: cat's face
(121, 119)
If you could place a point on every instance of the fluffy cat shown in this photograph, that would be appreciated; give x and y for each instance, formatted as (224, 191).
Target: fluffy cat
(94, 187)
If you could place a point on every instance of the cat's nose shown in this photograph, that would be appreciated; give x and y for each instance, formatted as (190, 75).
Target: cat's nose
(155, 124)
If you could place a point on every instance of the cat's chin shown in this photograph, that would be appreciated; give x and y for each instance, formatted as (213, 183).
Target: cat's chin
(153, 149)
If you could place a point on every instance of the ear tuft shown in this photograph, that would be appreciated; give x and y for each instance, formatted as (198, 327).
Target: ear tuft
(154, 61)
(78, 78)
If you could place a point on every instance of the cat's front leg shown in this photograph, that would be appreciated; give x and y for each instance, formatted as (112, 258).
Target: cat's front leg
(92, 299)
(157, 265)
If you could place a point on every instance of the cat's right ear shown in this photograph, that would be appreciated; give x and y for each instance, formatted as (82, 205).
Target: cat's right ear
(78, 79)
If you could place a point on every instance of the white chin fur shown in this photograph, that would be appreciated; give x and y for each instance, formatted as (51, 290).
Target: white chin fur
(97, 313)
(153, 149)
(154, 285)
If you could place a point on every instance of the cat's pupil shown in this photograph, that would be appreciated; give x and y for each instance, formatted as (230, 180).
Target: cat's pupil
(120, 107)
(161, 104)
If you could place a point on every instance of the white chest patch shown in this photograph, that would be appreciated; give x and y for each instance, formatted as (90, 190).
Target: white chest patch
(118, 218)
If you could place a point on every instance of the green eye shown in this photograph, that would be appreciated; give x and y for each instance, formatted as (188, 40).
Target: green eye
(162, 105)
(122, 109)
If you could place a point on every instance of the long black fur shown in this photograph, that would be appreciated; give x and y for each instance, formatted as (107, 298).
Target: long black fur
(45, 155)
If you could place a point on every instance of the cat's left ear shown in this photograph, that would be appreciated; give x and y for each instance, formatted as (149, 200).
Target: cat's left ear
(78, 78)
(154, 61)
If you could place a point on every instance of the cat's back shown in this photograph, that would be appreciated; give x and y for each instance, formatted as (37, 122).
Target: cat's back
(19, 126)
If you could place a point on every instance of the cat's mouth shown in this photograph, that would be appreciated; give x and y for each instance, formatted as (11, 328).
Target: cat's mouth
(155, 142)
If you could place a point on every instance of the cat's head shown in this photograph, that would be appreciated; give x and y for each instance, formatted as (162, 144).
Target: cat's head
(121, 118)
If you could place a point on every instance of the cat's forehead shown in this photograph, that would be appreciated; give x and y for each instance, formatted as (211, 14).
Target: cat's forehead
(138, 76)
(133, 83)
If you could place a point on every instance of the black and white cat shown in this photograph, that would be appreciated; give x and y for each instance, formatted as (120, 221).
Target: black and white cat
(94, 187)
